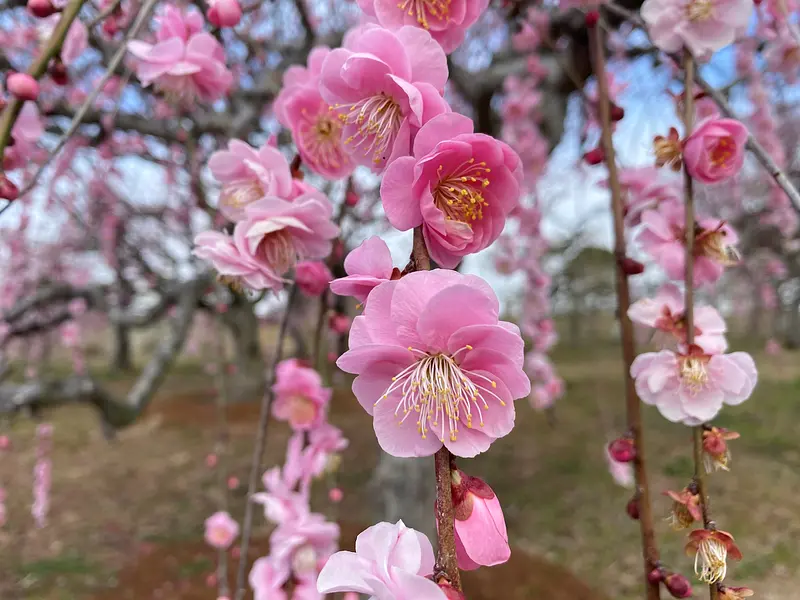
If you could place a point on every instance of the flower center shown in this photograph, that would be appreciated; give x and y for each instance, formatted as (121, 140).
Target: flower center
(241, 193)
(304, 560)
(460, 195)
(713, 243)
(276, 249)
(700, 10)
(711, 555)
(440, 391)
(422, 9)
(219, 535)
(378, 120)
(302, 410)
(694, 373)
(722, 152)
(321, 135)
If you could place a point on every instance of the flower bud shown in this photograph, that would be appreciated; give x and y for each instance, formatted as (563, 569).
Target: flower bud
(655, 576)
(622, 449)
(8, 190)
(351, 199)
(594, 157)
(592, 17)
(23, 86)
(678, 585)
(224, 13)
(58, 72)
(617, 113)
(632, 508)
(631, 267)
(41, 8)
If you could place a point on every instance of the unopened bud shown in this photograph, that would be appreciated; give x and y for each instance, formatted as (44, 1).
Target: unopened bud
(8, 190)
(655, 576)
(23, 86)
(678, 585)
(617, 113)
(631, 267)
(41, 8)
(592, 17)
(622, 449)
(58, 72)
(594, 157)
(632, 508)
(351, 199)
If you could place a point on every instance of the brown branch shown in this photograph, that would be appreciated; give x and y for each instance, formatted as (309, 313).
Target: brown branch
(260, 445)
(632, 405)
(221, 451)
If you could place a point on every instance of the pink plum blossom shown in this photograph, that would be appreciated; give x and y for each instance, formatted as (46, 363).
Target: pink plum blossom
(782, 55)
(704, 26)
(312, 277)
(220, 530)
(367, 266)
(691, 387)
(622, 472)
(185, 62)
(459, 185)
(430, 375)
(284, 499)
(446, 20)
(324, 442)
(247, 175)
(714, 151)
(300, 398)
(384, 86)
(306, 543)
(391, 562)
(267, 578)
(229, 257)
(662, 237)
(665, 312)
(76, 42)
(480, 527)
(773, 347)
(224, 13)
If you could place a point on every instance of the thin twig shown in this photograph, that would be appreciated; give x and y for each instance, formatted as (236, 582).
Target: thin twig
(221, 451)
(260, 445)
(632, 405)
(106, 12)
(115, 61)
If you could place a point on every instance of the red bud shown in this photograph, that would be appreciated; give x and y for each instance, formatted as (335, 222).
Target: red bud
(58, 72)
(617, 113)
(351, 198)
(622, 449)
(678, 585)
(594, 157)
(655, 576)
(631, 267)
(592, 17)
(23, 86)
(8, 190)
(633, 508)
(41, 8)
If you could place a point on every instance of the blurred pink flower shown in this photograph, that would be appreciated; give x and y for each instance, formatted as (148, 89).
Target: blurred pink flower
(76, 42)
(447, 21)
(224, 13)
(312, 277)
(23, 86)
(704, 26)
(384, 86)
(247, 175)
(665, 313)
(267, 578)
(714, 151)
(306, 543)
(324, 442)
(691, 387)
(391, 562)
(284, 500)
(480, 527)
(459, 185)
(186, 63)
(339, 323)
(431, 375)
(662, 237)
(773, 347)
(220, 530)
(782, 55)
(622, 472)
(228, 255)
(300, 398)
(367, 266)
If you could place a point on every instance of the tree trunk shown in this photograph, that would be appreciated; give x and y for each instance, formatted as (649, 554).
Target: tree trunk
(405, 489)
(243, 325)
(793, 325)
(121, 359)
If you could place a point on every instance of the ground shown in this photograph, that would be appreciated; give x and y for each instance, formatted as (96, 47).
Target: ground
(126, 516)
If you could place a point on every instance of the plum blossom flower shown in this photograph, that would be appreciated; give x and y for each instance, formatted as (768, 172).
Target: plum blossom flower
(711, 549)
(446, 20)
(480, 528)
(228, 255)
(367, 267)
(267, 578)
(685, 507)
(220, 530)
(734, 593)
(306, 543)
(391, 562)
(430, 375)
(324, 444)
(316, 130)
(662, 237)
(459, 185)
(247, 175)
(622, 472)
(384, 86)
(690, 387)
(783, 55)
(282, 501)
(185, 62)
(668, 150)
(716, 454)
(300, 398)
(704, 26)
(714, 151)
(224, 13)
(312, 277)
(665, 312)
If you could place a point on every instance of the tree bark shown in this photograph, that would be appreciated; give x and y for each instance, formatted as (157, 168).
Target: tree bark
(122, 359)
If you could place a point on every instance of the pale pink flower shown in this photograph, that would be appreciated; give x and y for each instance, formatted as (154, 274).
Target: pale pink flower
(691, 387)
(27, 132)
(773, 347)
(714, 151)
(622, 472)
(267, 578)
(282, 501)
(220, 530)
(300, 398)
(367, 266)
(339, 323)
(391, 562)
(306, 543)
(230, 258)
(459, 185)
(312, 277)
(446, 20)
(431, 375)
(186, 63)
(480, 527)
(782, 55)
(665, 312)
(704, 26)
(662, 237)
(384, 86)
(247, 175)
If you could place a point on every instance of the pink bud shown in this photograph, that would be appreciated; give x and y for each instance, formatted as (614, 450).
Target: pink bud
(481, 535)
(58, 72)
(211, 461)
(678, 585)
(622, 449)
(632, 508)
(592, 17)
(225, 13)
(332, 357)
(594, 157)
(8, 190)
(655, 576)
(339, 323)
(233, 482)
(335, 495)
(41, 8)
(23, 86)
(211, 579)
(110, 27)
(351, 199)
(5, 442)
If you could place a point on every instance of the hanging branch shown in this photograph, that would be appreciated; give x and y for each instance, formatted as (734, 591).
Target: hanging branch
(632, 406)
(260, 445)
(221, 452)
